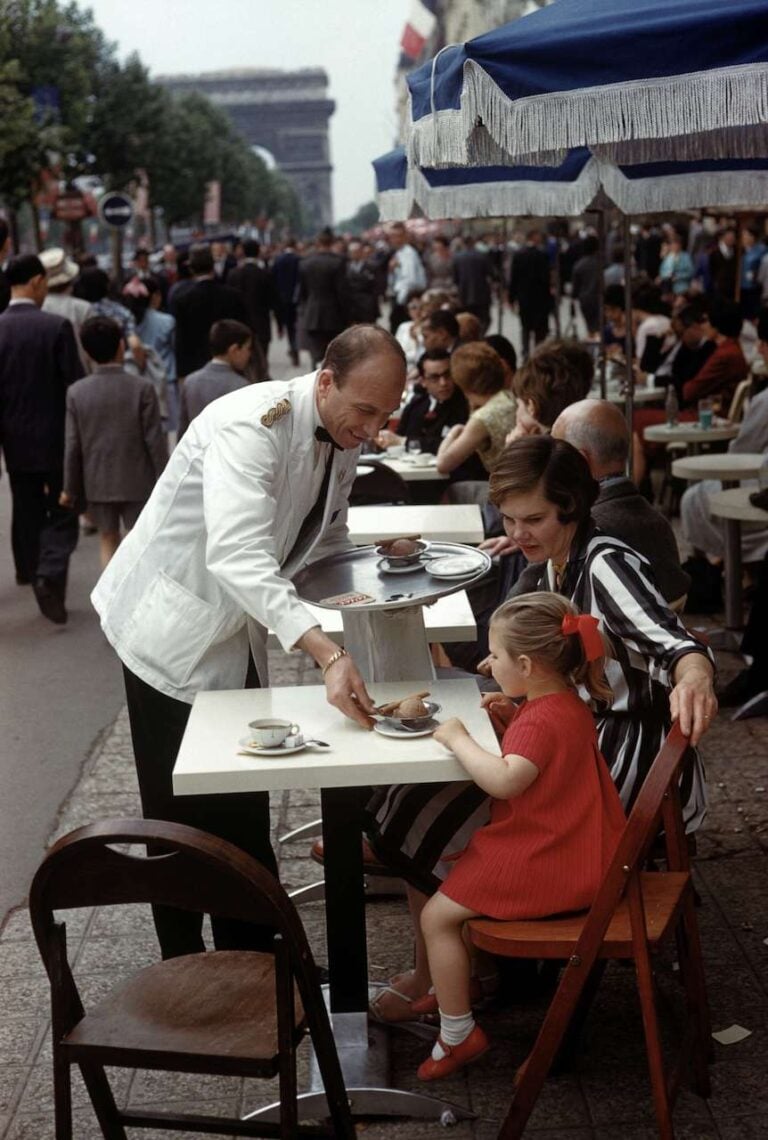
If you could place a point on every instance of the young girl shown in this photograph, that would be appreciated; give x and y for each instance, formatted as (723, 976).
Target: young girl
(556, 817)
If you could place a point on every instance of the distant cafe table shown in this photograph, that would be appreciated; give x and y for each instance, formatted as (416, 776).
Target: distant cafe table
(640, 395)
(209, 761)
(693, 436)
(730, 467)
(411, 468)
(454, 522)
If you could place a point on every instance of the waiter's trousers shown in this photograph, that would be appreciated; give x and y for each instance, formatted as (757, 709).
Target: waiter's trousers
(157, 726)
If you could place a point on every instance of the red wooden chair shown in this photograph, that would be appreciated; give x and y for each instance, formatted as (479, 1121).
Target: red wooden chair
(634, 911)
(231, 1013)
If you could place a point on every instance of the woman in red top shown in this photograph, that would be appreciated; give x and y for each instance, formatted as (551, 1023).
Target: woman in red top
(556, 816)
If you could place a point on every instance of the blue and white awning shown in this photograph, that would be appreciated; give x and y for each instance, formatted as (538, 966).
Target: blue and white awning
(569, 189)
(633, 80)
(496, 191)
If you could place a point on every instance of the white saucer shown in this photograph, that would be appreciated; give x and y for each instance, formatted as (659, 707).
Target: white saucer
(454, 565)
(280, 750)
(387, 568)
(401, 733)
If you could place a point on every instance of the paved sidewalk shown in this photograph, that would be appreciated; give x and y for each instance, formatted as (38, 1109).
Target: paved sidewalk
(605, 1098)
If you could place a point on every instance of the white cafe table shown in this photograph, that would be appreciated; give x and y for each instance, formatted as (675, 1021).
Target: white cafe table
(730, 467)
(640, 395)
(449, 619)
(453, 522)
(208, 761)
(690, 434)
(734, 507)
(411, 470)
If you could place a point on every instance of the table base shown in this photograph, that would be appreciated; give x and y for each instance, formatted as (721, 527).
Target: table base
(363, 1049)
(755, 706)
(389, 645)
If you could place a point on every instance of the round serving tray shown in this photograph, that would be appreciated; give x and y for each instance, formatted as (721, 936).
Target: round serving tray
(357, 572)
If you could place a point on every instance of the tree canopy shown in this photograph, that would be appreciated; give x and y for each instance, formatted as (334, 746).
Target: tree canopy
(69, 104)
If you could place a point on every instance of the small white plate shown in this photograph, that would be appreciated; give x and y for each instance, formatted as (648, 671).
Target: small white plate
(401, 733)
(454, 566)
(386, 567)
(246, 745)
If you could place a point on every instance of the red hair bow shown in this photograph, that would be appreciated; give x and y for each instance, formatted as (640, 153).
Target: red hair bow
(586, 626)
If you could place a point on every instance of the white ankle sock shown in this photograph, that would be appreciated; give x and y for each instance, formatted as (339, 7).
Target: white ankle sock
(453, 1030)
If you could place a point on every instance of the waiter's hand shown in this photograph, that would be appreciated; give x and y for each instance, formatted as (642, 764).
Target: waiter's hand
(346, 691)
(345, 688)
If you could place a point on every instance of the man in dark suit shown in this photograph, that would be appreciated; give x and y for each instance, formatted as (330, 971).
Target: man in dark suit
(257, 286)
(38, 362)
(362, 287)
(285, 274)
(322, 296)
(473, 272)
(529, 289)
(5, 289)
(198, 308)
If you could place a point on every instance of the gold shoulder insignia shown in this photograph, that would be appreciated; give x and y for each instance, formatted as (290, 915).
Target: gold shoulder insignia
(281, 408)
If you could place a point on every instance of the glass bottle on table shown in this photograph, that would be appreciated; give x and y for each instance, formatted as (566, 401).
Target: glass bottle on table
(671, 406)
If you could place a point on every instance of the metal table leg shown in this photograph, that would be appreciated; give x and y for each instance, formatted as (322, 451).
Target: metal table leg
(363, 1047)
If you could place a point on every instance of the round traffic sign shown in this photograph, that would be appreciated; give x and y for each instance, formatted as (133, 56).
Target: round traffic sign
(116, 209)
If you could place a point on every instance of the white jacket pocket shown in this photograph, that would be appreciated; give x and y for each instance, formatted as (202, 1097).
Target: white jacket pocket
(171, 628)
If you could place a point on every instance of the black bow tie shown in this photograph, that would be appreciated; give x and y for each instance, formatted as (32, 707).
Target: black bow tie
(322, 435)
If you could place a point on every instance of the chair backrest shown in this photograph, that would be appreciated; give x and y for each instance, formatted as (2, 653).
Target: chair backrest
(739, 400)
(197, 872)
(379, 484)
(657, 803)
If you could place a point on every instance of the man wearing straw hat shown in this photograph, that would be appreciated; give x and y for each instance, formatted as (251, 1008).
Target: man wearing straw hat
(60, 274)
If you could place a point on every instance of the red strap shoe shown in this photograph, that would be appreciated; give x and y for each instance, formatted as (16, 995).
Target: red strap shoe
(428, 1003)
(457, 1056)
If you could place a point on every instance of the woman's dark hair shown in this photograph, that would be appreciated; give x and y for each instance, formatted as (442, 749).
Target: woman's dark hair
(504, 348)
(561, 471)
(557, 374)
(100, 337)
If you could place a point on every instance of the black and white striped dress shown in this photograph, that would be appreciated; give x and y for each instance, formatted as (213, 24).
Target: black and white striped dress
(414, 826)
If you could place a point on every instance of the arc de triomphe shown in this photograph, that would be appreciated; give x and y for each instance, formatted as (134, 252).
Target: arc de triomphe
(286, 113)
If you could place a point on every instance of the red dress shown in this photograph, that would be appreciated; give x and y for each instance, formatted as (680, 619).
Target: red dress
(544, 852)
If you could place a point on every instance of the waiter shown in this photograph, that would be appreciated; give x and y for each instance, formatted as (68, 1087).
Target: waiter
(257, 488)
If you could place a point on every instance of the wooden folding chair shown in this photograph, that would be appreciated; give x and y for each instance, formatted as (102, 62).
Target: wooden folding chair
(634, 911)
(231, 1013)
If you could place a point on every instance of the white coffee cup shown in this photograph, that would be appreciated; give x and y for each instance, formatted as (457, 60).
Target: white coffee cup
(270, 732)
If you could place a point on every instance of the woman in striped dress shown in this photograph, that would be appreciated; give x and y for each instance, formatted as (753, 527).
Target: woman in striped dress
(657, 671)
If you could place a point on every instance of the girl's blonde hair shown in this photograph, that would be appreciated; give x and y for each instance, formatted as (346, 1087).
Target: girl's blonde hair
(531, 624)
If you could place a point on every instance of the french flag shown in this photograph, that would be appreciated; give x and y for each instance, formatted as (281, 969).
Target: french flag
(418, 29)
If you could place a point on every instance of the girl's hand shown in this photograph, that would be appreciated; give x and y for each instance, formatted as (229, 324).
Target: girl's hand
(502, 544)
(488, 699)
(484, 667)
(449, 731)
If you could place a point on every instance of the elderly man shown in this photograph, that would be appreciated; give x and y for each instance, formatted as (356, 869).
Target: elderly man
(599, 431)
(256, 489)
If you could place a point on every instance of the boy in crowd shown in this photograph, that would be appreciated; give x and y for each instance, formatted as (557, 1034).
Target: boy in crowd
(231, 343)
(115, 447)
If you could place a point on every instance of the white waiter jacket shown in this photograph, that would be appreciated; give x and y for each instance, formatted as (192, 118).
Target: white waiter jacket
(203, 573)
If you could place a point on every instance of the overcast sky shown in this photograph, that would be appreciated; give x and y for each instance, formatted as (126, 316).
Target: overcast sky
(356, 41)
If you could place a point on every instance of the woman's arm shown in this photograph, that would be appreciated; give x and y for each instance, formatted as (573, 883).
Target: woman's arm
(461, 442)
(502, 777)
